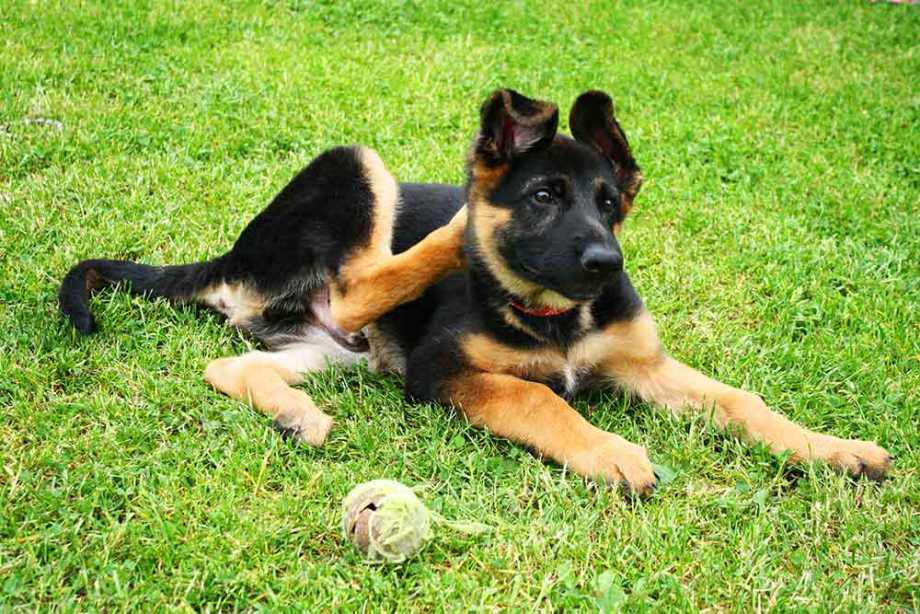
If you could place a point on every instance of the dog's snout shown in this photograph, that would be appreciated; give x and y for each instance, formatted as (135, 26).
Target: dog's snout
(601, 258)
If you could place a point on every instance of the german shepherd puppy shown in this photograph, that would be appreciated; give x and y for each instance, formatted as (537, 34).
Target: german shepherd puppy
(502, 308)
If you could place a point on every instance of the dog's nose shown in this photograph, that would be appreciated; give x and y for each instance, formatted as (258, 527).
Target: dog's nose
(600, 258)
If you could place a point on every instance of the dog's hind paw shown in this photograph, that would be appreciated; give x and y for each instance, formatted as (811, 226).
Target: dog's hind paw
(309, 428)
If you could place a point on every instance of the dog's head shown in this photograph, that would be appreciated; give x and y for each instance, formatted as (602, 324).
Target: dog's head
(544, 207)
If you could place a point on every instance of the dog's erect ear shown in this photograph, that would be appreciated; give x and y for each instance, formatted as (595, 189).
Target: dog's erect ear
(592, 122)
(513, 124)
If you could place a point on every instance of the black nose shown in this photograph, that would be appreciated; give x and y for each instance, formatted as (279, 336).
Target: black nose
(600, 258)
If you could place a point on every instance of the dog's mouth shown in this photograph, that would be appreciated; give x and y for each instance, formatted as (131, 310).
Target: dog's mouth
(572, 293)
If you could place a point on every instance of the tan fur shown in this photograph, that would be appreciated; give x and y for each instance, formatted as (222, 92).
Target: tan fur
(626, 203)
(380, 286)
(238, 302)
(585, 318)
(386, 194)
(487, 354)
(495, 393)
(531, 414)
(486, 220)
(264, 380)
(486, 178)
(373, 281)
(265, 385)
(621, 341)
(484, 353)
(514, 321)
(631, 190)
(630, 353)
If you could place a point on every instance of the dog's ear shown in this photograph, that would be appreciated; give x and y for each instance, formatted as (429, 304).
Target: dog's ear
(513, 124)
(592, 122)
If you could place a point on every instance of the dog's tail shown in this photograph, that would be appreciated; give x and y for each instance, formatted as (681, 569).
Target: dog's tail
(178, 283)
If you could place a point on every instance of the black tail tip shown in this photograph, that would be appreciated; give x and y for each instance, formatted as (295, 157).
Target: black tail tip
(83, 322)
(73, 297)
(81, 319)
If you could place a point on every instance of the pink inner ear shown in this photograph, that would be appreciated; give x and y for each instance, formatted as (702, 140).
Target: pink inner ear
(507, 134)
(603, 141)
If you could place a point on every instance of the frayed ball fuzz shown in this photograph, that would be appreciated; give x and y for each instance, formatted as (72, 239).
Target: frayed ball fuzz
(386, 521)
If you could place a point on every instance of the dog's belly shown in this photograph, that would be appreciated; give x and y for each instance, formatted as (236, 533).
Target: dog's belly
(564, 378)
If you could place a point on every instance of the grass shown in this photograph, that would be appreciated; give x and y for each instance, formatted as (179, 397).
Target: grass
(777, 241)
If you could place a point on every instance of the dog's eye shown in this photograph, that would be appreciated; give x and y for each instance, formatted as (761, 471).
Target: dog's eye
(543, 197)
(608, 203)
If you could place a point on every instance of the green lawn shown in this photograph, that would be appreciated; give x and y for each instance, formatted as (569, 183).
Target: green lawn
(777, 241)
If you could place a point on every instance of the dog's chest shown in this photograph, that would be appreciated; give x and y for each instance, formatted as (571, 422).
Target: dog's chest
(565, 375)
(565, 383)
(563, 371)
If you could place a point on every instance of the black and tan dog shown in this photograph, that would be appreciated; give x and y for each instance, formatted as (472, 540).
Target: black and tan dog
(542, 308)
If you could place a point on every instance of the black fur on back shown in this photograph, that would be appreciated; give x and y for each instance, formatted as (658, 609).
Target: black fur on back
(309, 227)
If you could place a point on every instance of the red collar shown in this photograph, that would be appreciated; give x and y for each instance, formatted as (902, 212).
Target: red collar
(542, 312)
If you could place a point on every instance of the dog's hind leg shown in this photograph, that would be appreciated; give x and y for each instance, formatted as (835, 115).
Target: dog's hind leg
(371, 280)
(265, 379)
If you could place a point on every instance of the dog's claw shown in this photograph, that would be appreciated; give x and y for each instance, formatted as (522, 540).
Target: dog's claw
(288, 432)
(308, 429)
(645, 489)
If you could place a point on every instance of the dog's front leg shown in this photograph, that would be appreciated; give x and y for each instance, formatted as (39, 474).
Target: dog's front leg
(634, 359)
(532, 414)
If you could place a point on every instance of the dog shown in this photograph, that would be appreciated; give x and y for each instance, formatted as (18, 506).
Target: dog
(501, 299)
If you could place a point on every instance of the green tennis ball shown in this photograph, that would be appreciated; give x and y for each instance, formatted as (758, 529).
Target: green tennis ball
(386, 521)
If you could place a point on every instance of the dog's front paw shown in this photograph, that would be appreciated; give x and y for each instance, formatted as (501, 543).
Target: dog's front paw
(858, 458)
(303, 427)
(616, 460)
